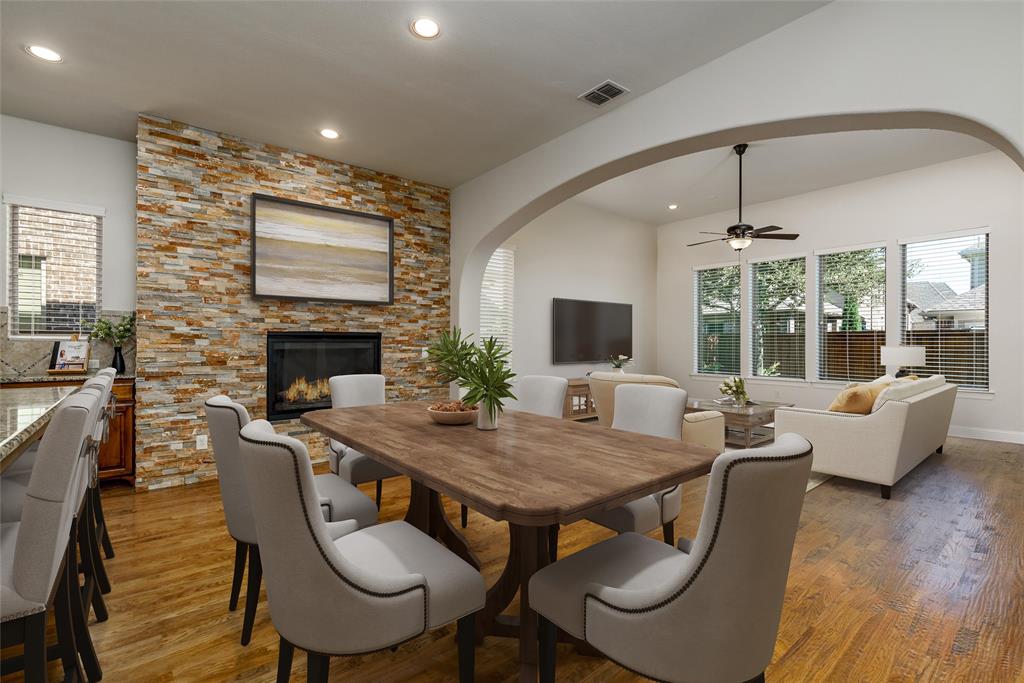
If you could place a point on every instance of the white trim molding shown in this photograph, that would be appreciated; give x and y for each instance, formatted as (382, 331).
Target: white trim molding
(54, 205)
(1002, 435)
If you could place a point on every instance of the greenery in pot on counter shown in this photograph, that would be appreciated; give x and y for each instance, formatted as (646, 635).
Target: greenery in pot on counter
(115, 333)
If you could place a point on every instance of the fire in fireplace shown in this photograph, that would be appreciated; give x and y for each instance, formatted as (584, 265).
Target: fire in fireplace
(299, 365)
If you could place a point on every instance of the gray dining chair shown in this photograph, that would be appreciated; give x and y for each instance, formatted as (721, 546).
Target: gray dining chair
(351, 391)
(103, 380)
(656, 411)
(335, 590)
(707, 611)
(34, 551)
(537, 394)
(337, 500)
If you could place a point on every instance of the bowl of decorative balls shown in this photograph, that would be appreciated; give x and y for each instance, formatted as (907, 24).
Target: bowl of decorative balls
(453, 413)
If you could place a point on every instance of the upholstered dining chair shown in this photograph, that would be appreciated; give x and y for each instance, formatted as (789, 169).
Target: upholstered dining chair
(336, 498)
(537, 394)
(707, 611)
(335, 590)
(34, 551)
(104, 380)
(350, 391)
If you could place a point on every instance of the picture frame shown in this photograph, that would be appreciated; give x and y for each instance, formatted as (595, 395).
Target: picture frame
(69, 356)
(309, 252)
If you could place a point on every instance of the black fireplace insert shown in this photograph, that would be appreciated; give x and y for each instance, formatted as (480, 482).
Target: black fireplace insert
(299, 365)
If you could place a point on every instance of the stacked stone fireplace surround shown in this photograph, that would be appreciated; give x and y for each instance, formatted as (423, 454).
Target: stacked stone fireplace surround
(200, 332)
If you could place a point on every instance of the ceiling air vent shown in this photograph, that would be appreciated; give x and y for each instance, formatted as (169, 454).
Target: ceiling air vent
(605, 92)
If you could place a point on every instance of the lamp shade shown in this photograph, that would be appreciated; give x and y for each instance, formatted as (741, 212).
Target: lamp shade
(903, 356)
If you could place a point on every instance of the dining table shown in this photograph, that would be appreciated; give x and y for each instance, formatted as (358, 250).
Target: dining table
(532, 472)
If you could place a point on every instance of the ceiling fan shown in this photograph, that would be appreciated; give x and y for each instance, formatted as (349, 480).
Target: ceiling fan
(742, 235)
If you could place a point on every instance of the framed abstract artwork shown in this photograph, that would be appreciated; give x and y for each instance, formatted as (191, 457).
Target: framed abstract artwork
(309, 252)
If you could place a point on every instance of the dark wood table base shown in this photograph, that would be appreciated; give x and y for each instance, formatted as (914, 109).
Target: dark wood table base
(528, 552)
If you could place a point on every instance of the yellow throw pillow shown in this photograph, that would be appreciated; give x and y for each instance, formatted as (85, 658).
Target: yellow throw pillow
(857, 400)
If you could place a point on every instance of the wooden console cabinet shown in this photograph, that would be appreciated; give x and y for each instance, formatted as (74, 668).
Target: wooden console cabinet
(117, 455)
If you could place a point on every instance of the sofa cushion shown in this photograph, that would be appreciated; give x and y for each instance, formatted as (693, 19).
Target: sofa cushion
(858, 399)
(906, 387)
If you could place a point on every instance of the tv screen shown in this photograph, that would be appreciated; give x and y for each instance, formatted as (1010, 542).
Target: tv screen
(590, 331)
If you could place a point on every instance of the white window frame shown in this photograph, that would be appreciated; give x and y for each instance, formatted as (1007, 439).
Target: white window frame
(695, 361)
(504, 319)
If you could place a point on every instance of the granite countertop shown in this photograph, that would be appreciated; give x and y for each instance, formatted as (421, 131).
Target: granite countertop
(15, 379)
(24, 413)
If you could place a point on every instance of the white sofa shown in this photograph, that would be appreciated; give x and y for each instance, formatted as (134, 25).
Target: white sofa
(907, 424)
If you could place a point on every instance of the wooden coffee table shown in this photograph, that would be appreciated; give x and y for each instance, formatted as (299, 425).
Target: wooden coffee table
(744, 425)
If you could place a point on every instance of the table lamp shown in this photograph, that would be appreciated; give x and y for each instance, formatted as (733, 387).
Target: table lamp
(896, 357)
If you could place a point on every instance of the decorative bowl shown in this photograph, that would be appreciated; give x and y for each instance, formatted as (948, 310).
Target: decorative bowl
(451, 417)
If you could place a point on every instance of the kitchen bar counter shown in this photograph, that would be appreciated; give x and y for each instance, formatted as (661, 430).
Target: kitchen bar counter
(24, 414)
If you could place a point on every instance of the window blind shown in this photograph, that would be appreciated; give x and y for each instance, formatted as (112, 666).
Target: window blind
(496, 297)
(716, 345)
(778, 315)
(851, 314)
(945, 307)
(55, 284)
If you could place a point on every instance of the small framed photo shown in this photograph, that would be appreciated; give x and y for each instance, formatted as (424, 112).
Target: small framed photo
(69, 356)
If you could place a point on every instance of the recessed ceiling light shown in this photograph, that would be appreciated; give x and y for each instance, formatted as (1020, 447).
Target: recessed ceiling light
(329, 133)
(425, 27)
(44, 53)
(673, 207)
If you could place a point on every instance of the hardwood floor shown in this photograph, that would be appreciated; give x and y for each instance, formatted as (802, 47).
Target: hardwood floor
(928, 586)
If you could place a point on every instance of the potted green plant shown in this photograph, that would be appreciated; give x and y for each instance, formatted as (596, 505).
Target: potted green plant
(620, 362)
(482, 371)
(117, 334)
(487, 377)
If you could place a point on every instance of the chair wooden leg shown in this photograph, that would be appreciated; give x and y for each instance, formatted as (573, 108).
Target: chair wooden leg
(101, 524)
(66, 643)
(939, 449)
(92, 591)
(252, 593)
(380, 492)
(35, 648)
(241, 550)
(465, 516)
(97, 560)
(553, 542)
(548, 636)
(466, 630)
(757, 679)
(886, 491)
(317, 667)
(80, 614)
(668, 532)
(284, 661)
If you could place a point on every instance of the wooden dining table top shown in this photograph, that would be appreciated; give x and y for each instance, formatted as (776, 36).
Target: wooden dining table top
(532, 470)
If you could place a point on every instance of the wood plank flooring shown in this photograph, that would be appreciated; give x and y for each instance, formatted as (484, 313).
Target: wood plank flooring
(928, 586)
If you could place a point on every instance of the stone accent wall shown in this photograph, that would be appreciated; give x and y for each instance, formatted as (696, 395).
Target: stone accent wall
(200, 332)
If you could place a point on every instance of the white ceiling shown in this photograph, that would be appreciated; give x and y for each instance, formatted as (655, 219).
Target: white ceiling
(705, 183)
(502, 78)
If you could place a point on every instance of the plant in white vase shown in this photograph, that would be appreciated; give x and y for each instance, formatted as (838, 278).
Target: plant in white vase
(619, 362)
(735, 389)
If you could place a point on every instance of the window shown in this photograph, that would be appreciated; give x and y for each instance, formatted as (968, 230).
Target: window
(54, 262)
(777, 306)
(945, 307)
(717, 316)
(496, 296)
(851, 314)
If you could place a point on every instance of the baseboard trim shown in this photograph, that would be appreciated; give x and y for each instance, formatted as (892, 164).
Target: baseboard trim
(1004, 435)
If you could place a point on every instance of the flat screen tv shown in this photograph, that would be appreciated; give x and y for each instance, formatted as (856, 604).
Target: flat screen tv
(590, 331)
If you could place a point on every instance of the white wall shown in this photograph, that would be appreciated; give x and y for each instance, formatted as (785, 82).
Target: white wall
(57, 164)
(577, 252)
(848, 65)
(978, 191)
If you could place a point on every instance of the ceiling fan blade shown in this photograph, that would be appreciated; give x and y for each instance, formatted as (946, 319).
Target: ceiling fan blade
(767, 228)
(780, 236)
(704, 232)
(695, 244)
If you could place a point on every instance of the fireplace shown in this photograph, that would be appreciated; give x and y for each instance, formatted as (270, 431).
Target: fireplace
(299, 365)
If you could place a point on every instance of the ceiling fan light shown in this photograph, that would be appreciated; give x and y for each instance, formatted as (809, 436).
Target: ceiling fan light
(740, 243)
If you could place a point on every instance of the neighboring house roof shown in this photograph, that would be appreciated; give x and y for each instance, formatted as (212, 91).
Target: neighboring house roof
(928, 295)
(971, 300)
